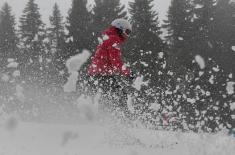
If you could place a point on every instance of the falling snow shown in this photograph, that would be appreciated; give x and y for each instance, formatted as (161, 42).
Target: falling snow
(233, 48)
(230, 87)
(200, 61)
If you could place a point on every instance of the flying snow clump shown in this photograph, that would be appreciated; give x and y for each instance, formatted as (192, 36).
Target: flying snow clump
(139, 82)
(74, 64)
(155, 106)
(233, 48)
(232, 106)
(160, 55)
(200, 61)
(16, 73)
(230, 88)
(12, 65)
(180, 38)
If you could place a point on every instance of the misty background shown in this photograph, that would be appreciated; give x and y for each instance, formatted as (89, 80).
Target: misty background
(187, 75)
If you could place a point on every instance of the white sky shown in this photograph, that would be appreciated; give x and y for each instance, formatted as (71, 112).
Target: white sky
(64, 5)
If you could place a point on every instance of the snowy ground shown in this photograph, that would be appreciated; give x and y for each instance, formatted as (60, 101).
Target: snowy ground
(20, 138)
(92, 136)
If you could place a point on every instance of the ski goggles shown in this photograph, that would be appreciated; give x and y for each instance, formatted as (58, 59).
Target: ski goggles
(127, 32)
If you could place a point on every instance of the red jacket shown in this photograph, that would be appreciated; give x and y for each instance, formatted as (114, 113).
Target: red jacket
(107, 60)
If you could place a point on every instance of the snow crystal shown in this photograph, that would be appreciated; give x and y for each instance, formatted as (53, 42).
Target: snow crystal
(233, 116)
(100, 40)
(170, 108)
(5, 78)
(161, 55)
(200, 61)
(155, 106)
(210, 44)
(35, 37)
(40, 59)
(233, 48)
(46, 40)
(124, 67)
(144, 63)
(208, 93)
(198, 6)
(216, 108)
(180, 38)
(149, 52)
(232, 106)
(49, 60)
(168, 92)
(139, 82)
(105, 37)
(230, 88)
(69, 39)
(193, 19)
(30, 60)
(12, 65)
(230, 75)
(16, 73)
(191, 100)
(164, 65)
(211, 80)
(10, 60)
(216, 69)
(61, 72)
(116, 46)
(170, 73)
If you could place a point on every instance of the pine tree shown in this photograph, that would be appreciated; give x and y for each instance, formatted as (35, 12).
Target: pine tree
(232, 10)
(8, 38)
(214, 28)
(145, 44)
(211, 97)
(105, 11)
(78, 27)
(56, 36)
(56, 29)
(204, 26)
(180, 31)
(32, 34)
(224, 34)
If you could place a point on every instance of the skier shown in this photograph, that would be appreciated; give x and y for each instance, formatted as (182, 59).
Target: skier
(107, 68)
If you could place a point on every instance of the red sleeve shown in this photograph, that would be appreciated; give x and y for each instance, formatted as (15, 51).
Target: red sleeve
(116, 61)
(115, 57)
(111, 41)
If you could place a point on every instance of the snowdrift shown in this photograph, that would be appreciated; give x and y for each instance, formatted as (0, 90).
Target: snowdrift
(106, 139)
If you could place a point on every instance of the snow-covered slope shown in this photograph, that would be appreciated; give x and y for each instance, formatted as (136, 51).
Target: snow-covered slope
(17, 138)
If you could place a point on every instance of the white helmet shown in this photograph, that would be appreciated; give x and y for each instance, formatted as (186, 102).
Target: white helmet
(123, 25)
